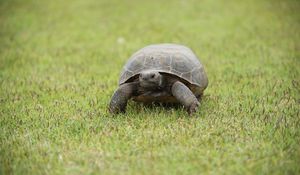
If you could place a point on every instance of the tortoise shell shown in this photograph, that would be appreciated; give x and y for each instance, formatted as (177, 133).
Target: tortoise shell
(172, 59)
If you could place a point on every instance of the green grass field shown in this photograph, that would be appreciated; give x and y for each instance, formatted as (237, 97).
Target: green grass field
(60, 63)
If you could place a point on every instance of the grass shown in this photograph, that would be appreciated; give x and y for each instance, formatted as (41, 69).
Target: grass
(60, 62)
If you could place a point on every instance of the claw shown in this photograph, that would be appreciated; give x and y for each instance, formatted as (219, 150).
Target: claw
(193, 108)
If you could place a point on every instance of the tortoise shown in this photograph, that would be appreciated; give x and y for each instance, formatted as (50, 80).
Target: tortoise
(163, 73)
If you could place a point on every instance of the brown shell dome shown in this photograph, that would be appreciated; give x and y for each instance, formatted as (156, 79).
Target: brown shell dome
(173, 59)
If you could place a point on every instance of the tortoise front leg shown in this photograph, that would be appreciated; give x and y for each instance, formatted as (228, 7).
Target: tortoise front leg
(119, 100)
(185, 96)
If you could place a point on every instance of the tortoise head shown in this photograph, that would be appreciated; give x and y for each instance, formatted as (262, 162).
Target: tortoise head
(151, 79)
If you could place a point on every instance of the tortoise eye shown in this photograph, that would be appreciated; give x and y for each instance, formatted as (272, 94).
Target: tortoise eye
(153, 75)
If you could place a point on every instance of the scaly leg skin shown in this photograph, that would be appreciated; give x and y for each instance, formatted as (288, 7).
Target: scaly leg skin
(119, 100)
(185, 96)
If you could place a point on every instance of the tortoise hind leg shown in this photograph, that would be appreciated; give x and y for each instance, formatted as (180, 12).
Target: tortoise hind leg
(185, 96)
(119, 100)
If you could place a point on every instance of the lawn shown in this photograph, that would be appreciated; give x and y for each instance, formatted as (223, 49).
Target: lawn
(60, 63)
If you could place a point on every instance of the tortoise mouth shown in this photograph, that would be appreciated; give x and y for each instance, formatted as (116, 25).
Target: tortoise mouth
(149, 85)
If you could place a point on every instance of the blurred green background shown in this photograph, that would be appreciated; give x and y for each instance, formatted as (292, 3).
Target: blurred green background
(60, 62)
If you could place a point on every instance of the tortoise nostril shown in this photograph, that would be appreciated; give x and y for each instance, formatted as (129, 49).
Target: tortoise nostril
(142, 77)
